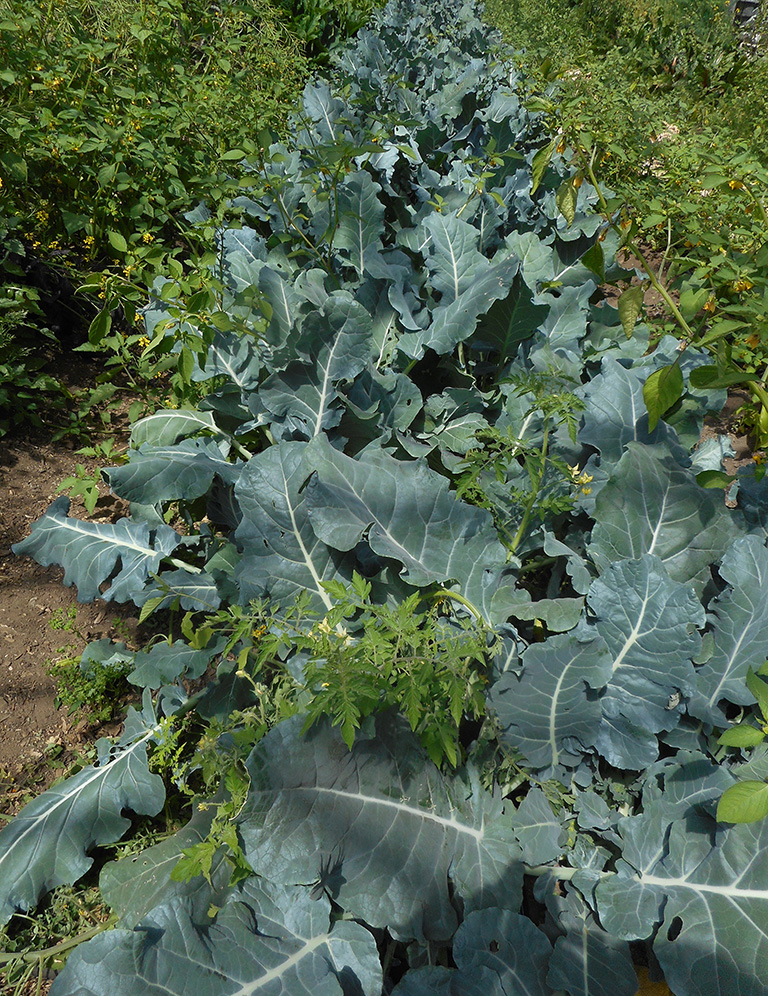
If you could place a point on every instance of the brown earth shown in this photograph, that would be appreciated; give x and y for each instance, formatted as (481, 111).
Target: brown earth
(41, 621)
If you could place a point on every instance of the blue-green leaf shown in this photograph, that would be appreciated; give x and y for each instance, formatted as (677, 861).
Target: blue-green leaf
(550, 712)
(649, 625)
(90, 552)
(47, 844)
(710, 894)
(266, 940)
(652, 504)
(407, 513)
(737, 617)
(367, 824)
(282, 555)
(183, 470)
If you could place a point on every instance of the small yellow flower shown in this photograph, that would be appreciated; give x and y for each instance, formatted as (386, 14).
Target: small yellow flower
(88, 241)
(742, 285)
(735, 184)
(1, 183)
(759, 457)
(710, 305)
(147, 237)
(324, 627)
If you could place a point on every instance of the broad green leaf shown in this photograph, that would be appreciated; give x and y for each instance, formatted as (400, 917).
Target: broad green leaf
(117, 241)
(741, 735)
(361, 220)
(467, 282)
(232, 356)
(630, 304)
(377, 827)
(284, 302)
(557, 614)
(47, 844)
(614, 413)
(566, 322)
(165, 662)
(451, 421)
(652, 504)
(267, 940)
(192, 589)
(744, 802)
(91, 552)
(541, 834)
(324, 109)
(539, 164)
(379, 402)
(537, 259)
(550, 712)
(406, 512)
(496, 951)
(714, 479)
(692, 301)
(567, 195)
(594, 260)
(338, 343)
(13, 165)
(509, 322)
(759, 689)
(661, 391)
(712, 376)
(99, 327)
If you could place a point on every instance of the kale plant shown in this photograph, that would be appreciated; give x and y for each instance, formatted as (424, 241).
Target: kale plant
(422, 440)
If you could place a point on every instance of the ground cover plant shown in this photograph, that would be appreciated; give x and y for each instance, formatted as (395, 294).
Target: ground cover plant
(461, 638)
(115, 119)
(663, 100)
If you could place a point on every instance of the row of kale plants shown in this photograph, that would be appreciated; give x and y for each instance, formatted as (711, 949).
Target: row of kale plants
(460, 632)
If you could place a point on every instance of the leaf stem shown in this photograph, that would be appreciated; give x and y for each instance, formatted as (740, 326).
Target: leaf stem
(65, 945)
(556, 871)
(534, 494)
(462, 600)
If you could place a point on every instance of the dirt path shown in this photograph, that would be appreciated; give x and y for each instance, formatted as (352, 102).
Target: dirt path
(41, 621)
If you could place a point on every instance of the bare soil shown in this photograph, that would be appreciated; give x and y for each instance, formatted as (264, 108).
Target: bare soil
(41, 621)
